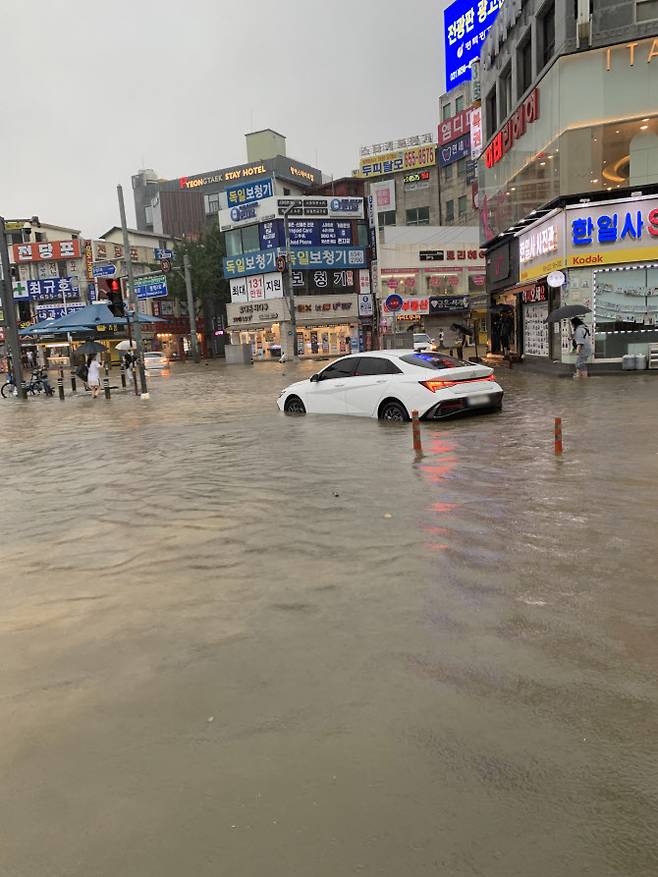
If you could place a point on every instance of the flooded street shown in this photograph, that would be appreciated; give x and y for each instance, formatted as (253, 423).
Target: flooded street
(238, 643)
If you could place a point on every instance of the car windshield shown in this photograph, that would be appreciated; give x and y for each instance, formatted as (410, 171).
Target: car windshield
(421, 337)
(432, 361)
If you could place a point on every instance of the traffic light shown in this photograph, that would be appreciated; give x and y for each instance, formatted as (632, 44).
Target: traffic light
(115, 298)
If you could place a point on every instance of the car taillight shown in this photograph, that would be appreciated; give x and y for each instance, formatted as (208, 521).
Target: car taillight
(435, 385)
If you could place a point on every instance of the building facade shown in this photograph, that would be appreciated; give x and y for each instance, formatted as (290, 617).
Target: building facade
(457, 166)
(569, 173)
(329, 273)
(184, 206)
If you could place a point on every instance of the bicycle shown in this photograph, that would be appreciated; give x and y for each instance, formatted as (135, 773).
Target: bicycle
(38, 383)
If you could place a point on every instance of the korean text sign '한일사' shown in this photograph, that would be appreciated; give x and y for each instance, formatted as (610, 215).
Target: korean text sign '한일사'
(466, 24)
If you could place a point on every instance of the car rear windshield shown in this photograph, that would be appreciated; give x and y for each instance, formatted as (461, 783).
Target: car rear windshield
(432, 361)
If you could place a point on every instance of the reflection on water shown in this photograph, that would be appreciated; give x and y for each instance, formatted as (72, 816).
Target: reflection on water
(234, 642)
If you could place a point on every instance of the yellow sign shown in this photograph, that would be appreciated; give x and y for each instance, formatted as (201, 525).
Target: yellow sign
(613, 257)
(541, 270)
(403, 160)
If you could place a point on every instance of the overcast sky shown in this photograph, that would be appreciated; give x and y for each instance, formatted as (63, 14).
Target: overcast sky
(99, 90)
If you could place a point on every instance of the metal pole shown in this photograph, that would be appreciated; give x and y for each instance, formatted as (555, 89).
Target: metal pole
(288, 280)
(134, 368)
(194, 341)
(132, 299)
(11, 326)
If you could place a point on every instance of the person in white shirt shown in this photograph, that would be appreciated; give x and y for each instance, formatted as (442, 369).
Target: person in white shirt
(94, 375)
(583, 345)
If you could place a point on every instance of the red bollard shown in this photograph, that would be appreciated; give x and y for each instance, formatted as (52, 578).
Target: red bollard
(558, 436)
(415, 427)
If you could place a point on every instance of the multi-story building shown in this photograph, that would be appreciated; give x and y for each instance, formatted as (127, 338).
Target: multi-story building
(569, 173)
(184, 206)
(457, 169)
(329, 273)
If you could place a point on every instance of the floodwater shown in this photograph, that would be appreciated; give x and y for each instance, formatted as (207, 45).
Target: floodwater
(238, 643)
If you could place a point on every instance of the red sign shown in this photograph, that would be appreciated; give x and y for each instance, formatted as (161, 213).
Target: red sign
(533, 293)
(513, 130)
(454, 127)
(41, 251)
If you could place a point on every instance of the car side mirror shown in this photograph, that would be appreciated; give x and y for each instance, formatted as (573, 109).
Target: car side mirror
(314, 379)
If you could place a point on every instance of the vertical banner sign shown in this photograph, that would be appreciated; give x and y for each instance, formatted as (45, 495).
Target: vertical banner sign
(89, 260)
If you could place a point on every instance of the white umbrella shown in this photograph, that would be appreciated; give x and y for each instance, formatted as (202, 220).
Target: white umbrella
(126, 345)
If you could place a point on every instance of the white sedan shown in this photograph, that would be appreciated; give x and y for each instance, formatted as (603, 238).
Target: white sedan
(391, 384)
(155, 359)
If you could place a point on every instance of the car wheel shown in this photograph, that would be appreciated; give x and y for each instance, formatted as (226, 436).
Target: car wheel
(294, 405)
(393, 411)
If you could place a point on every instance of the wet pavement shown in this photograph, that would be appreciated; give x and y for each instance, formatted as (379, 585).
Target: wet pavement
(237, 643)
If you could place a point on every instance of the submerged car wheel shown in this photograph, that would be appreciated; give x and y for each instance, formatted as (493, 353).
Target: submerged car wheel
(294, 405)
(393, 411)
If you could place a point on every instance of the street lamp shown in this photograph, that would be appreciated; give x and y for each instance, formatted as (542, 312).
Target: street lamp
(287, 277)
(11, 326)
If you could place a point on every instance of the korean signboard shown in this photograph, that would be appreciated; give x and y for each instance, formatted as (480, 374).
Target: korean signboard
(257, 313)
(366, 307)
(404, 160)
(454, 127)
(39, 251)
(534, 293)
(448, 304)
(454, 151)
(542, 248)
(263, 262)
(513, 129)
(383, 194)
(312, 309)
(151, 287)
(258, 287)
(332, 208)
(55, 289)
(466, 24)
(391, 145)
(411, 305)
(477, 141)
(301, 258)
(612, 233)
(89, 260)
(324, 281)
(318, 233)
(249, 193)
(54, 312)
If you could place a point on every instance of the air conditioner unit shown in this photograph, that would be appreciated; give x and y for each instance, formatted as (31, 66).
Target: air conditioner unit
(583, 24)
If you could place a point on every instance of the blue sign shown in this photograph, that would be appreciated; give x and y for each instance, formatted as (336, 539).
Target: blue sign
(249, 193)
(104, 270)
(301, 258)
(452, 152)
(163, 254)
(320, 233)
(151, 287)
(54, 312)
(611, 227)
(55, 289)
(393, 302)
(346, 205)
(466, 24)
(271, 234)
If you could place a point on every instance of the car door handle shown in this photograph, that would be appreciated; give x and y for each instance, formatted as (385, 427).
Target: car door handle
(339, 385)
(383, 381)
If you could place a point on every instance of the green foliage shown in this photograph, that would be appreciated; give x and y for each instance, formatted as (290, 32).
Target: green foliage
(206, 256)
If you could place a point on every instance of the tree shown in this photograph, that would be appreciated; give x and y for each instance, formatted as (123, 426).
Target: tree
(211, 290)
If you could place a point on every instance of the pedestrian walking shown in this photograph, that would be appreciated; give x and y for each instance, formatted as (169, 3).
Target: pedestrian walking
(30, 359)
(94, 375)
(461, 341)
(583, 347)
(441, 337)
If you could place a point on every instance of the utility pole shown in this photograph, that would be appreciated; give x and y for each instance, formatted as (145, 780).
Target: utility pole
(194, 341)
(287, 279)
(11, 326)
(132, 298)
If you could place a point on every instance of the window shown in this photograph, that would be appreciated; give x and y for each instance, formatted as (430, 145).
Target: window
(211, 203)
(492, 113)
(162, 243)
(39, 236)
(286, 191)
(250, 239)
(447, 173)
(148, 214)
(432, 361)
(524, 65)
(646, 10)
(371, 365)
(386, 217)
(547, 32)
(362, 233)
(418, 216)
(63, 269)
(459, 104)
(450, 210)
(344, 368)
(506, 92)
(233, 241)
(461, 167)
(445, 111)
(462, 205)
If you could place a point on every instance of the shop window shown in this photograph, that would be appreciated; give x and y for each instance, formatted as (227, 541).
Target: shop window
(524, 66)
(547, 33)
(445, 111)
(418, 216)
(447, 173)
(646, 10)
(450, 211)
(492, 113)
(462, 205)
(342, 369)
(374, 365)
(461, 167)
(386, 217)
(459, 104)
(506, 92)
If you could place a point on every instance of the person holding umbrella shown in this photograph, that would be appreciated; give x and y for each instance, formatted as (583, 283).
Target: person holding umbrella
(583, 347)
